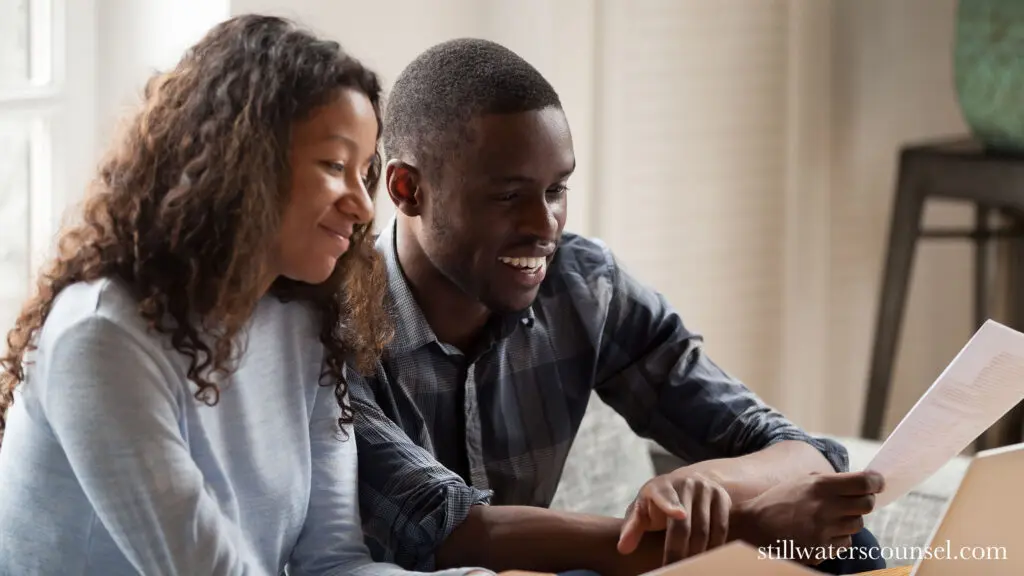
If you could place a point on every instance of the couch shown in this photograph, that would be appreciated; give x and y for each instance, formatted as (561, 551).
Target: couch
(608, 464)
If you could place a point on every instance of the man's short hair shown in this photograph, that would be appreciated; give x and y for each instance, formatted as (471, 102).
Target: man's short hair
(437, 94)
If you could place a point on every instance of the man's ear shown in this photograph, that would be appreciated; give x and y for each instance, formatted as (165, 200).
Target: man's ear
(404, 182)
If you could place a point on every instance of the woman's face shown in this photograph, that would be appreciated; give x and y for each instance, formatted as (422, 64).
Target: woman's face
(331, 152)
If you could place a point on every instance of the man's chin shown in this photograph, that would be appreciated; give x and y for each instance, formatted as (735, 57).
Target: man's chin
(512, 304)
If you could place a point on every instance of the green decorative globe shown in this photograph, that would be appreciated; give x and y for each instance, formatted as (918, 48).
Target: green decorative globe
(989, 70)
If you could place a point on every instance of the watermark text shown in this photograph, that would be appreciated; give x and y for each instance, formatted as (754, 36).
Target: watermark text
(788, 550)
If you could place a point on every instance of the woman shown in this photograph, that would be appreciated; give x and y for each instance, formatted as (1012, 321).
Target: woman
(174, 392)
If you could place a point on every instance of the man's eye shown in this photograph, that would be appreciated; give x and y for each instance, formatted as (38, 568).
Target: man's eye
(558, 191)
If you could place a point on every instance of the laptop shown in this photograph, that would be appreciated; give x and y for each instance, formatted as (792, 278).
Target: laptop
(982, 530)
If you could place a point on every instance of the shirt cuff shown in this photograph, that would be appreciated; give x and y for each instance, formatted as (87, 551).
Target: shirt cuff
(833, 451)
(459, 500)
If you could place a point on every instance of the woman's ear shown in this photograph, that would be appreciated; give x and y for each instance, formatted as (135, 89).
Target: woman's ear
(404, 186)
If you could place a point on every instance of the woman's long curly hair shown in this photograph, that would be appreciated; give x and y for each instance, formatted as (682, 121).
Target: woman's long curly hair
(186, 208)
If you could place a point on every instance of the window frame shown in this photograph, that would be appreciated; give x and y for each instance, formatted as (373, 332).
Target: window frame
(59, 104)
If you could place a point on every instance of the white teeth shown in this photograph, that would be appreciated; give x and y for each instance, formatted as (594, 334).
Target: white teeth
(524, 263)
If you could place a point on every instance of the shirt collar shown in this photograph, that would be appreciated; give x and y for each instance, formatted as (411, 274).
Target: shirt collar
(411, 328)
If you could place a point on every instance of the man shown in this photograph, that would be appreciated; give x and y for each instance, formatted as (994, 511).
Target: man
(505, 326)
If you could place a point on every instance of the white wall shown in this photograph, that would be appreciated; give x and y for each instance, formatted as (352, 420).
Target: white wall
(892, 84)
(136, 39)
(694, 130)
(77, 143)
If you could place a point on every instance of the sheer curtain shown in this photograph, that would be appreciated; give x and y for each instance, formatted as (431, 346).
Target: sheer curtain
(714, 148)
(892, 84)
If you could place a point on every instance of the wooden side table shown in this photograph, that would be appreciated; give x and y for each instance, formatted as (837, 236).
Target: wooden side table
(959, 170)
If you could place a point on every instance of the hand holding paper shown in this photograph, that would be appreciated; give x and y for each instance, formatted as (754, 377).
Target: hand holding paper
(816, 511)
(984, 381)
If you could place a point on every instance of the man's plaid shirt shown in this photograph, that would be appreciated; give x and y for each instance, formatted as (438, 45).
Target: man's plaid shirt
(439, 432)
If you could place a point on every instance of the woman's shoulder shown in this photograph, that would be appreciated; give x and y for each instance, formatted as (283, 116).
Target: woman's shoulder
(104, 301)
(102, 298)
(106, 309)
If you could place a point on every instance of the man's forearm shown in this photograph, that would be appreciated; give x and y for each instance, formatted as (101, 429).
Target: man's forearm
(529, 538)
(746, 477)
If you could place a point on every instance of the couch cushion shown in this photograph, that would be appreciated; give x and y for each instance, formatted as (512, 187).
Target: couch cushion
(606, 467)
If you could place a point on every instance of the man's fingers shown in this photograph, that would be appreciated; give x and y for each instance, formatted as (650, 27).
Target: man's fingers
(677, 535)
(851, 483)
(721, 506)
(700, 520)
(841, 542)
(848, 526)
(677, 540)
(634, 527)
(855, 505)
(667, 501)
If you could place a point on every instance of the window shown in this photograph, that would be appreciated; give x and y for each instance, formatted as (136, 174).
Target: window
(29, 97)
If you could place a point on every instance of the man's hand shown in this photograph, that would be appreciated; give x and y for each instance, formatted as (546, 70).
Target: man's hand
(818, 510)
(692, 508)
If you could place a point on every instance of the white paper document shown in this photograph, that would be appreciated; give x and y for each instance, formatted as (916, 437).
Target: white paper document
(984, 381)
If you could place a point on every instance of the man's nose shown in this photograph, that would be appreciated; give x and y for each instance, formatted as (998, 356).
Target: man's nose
(537, 219)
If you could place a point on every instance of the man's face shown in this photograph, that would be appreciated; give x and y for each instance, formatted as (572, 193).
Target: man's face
(493, 221)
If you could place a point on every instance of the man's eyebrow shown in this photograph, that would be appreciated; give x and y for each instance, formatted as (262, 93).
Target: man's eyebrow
(517, 179)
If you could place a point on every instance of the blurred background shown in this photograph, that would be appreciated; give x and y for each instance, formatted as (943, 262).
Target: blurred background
(740, 156)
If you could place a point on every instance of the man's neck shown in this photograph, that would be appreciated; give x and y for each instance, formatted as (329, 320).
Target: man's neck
(455, 318)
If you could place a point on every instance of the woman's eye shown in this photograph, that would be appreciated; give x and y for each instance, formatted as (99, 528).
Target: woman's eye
(335, 166)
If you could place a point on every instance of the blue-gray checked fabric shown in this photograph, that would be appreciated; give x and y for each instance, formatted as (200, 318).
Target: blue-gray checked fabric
(438, 431)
